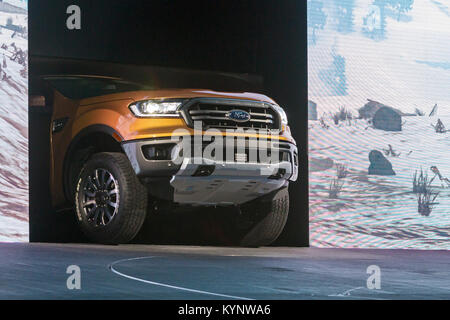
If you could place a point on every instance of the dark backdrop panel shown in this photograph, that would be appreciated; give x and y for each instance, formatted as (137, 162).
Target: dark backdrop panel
(157, 77)
(265, 38)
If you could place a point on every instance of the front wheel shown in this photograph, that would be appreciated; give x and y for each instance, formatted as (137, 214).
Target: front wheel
(111, 202)
(272, 212)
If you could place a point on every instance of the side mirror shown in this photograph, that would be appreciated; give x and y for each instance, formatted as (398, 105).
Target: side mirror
(37, 101)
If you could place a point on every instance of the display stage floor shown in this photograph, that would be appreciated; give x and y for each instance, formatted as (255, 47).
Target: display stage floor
(39, 271)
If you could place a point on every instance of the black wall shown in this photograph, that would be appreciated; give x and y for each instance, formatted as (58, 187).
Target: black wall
(265, 38)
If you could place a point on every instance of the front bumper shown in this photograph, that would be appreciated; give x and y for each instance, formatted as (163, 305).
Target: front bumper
(198, 181)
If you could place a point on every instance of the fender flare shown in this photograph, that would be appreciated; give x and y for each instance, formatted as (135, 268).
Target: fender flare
(97, 128)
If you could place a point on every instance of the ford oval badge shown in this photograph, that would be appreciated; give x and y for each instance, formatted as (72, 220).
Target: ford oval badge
(238, 116)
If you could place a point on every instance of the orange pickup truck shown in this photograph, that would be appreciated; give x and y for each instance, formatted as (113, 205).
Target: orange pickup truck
(116, 144)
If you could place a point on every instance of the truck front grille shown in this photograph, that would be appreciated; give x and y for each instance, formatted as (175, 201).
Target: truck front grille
(214, 113)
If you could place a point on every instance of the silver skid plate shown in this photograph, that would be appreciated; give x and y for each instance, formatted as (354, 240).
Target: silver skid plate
(229, 184)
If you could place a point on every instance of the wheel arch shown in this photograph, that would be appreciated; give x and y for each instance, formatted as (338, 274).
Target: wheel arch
(90, 140)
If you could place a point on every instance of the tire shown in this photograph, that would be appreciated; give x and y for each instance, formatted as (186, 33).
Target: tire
(121, 203)
(269, 228)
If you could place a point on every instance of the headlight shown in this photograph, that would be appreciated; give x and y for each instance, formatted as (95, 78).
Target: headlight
(282, 113)
(154, 108)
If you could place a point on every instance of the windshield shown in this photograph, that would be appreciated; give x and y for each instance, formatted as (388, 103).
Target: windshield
(87, 87)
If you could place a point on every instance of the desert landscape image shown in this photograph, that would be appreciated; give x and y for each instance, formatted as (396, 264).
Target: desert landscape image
(13, 121)
(379, 123)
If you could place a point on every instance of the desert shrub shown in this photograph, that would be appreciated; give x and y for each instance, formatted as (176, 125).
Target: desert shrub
(335, 117)
(335, 188)
(341, 171)
(426, 202)
(421, 182)
(345, 114)
(341, 115)
(322, 123)
(439, 127)
(425, 196)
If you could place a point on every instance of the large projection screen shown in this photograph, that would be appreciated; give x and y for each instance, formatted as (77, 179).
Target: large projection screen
(13, 121)
(379, 123)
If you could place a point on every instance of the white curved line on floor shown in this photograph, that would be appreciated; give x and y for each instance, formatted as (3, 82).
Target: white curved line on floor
(111, 267)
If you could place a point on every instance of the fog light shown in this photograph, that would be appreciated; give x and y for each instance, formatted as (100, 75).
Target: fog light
(158, 151)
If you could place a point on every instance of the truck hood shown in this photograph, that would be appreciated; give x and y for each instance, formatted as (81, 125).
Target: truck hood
(175, 93)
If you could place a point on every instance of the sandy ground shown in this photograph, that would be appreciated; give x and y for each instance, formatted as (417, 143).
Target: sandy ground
(375, 211)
